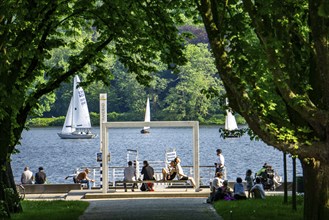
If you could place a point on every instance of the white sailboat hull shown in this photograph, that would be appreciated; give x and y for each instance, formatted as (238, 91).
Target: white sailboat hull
(76, 136)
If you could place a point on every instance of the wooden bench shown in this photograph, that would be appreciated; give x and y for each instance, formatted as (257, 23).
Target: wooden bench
(50, 188)
(154, 182)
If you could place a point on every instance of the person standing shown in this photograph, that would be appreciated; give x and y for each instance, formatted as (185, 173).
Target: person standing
(220, 163)
(40, 177)
(250, 181)
(129, 175)
(27, 176)
(83, 178)
(148, 174)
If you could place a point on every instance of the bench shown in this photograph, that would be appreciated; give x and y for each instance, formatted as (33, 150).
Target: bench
(154, 182)
(50, 188)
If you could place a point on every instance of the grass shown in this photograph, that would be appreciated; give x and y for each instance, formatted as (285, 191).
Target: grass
(49, 210)
(272, 208)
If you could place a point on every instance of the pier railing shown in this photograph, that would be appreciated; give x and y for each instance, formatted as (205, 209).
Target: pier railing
(116, 173)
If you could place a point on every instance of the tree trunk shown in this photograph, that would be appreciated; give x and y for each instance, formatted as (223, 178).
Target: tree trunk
(8, 191)
(316, 184)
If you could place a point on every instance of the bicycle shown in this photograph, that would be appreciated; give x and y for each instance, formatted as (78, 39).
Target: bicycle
(20, 191)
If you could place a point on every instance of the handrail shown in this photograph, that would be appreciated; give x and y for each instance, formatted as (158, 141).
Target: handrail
(116, 173)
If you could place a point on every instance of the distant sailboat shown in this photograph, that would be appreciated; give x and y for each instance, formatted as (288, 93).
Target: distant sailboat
(230, 124)
(77, 122)
(146, 130)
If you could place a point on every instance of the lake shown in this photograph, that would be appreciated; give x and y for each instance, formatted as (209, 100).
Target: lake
(60, 157)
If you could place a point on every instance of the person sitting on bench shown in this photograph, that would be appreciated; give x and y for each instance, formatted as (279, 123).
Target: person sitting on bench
(170, 173)
(83, 178)
(129, 175)
(182, 176)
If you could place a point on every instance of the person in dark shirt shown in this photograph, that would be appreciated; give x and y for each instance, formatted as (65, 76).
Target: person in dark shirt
(40, 177)
(148, 174)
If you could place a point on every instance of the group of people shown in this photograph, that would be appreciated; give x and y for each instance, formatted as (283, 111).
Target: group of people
(28, 178)
(221, 190)
(173, 170)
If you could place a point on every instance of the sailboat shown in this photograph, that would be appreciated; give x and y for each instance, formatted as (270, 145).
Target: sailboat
(230, 124)
(77, 122)
(146, 130)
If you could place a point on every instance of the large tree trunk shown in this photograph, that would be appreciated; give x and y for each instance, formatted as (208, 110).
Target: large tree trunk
(8, 191)
(316, 185)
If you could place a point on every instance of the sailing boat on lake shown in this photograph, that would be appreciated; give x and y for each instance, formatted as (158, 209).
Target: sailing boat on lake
(146, 130)
(77, 122)
(230, 124)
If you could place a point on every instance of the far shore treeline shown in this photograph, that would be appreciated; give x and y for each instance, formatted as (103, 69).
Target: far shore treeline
(94, 117)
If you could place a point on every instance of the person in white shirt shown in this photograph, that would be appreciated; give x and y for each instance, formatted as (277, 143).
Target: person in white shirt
(182, 176)
(215, 185)
(129, 175)
(27, 176)
(258, 189)
(220, 163)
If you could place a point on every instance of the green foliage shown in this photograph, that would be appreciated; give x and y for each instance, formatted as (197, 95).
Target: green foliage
(12, 200)
(43, 122)
(3, 210)
(57, 209)
(271, 208)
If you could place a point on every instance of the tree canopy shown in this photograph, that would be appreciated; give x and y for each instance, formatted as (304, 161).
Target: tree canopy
(273, 59)
(134, 32)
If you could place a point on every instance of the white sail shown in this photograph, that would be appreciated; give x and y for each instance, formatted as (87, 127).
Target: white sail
(230, 122)
(81, 117)
(77, 122)
(67, 127)
(147, 113)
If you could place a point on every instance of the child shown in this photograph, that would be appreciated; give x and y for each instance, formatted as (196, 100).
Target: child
(249, 179)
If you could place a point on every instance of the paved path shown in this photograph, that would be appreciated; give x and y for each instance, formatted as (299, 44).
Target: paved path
(149, 209)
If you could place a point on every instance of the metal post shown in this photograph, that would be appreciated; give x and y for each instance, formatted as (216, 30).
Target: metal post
(102, 114)
(105, 172)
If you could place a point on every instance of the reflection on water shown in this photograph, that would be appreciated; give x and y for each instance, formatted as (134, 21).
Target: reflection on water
(60, 157)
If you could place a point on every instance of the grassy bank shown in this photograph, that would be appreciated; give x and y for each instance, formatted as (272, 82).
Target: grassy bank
(49, 210)
(272, 208)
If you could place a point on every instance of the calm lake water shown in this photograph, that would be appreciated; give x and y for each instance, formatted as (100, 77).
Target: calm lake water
(60, 157)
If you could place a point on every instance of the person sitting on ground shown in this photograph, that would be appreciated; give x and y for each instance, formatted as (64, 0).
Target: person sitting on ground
(239, 192)
(129, 175)
(27, 176)
(170, 173)
(258, 189)
(40, 177)
(215, 185)
(224, 192)
(182, 176)
(82, 177)
(148, 174)
(250, 181)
